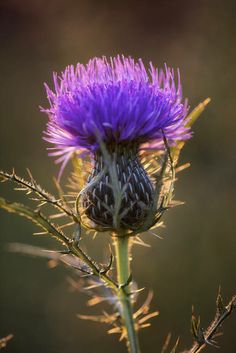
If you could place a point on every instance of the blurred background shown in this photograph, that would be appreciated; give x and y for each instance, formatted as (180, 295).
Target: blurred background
(198, 251)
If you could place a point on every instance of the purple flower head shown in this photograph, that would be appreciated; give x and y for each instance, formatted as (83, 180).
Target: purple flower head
(118, 99)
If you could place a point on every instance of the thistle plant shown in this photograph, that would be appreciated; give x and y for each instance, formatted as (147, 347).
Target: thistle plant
(123, 127)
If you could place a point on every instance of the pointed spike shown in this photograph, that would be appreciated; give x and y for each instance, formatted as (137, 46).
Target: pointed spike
(129, 280)
(148, 316)
(212, 343)
(42, 203)
(175, 346)
(157, 236)
(95, 300)
(66, 225)
(40, 233)
(94, 235)
(140, 242)
(114, 330)
(98, 318)
(145, 325)
(21, 188)
(108, 267)
(137, 290)
(182, 167)
(145, 307)
(62, 252)
(166, 343)
(219, 303)
(57, 215)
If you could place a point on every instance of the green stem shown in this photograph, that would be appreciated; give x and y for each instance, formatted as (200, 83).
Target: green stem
(123, 272)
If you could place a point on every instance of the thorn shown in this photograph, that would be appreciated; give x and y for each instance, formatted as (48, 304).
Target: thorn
(108, 267)
(139, 241)
(129, 280)
(166, 343)
(182, 167)
(149, 316)
(145, 325)
(40, 233)
(123, 336)
(157, 236)
(212, 343)
(57, 215)
(94, 235)
(175, 346)
(31, 176)
(42, 203)
(114, 330)
(66, 225)
(145, 307)
(62, 252)
(137, 291)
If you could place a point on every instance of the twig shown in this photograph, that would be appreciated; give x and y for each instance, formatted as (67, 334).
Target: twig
(72, 244)
(45, 197)
(205, 338)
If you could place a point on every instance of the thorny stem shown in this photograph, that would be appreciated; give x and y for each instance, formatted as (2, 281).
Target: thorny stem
(210, 332)
(45, 197)
(77, 251)
(121, 244)
(71, 244)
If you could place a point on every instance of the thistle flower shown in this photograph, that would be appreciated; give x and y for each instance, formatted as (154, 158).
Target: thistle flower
(120, 104)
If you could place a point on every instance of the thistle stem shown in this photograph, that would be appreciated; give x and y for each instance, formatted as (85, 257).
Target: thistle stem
(122, 247)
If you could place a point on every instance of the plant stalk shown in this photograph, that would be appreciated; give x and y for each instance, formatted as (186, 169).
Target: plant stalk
(122, 247)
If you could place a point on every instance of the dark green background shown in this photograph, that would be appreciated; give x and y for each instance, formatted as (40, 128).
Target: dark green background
(198, 253)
